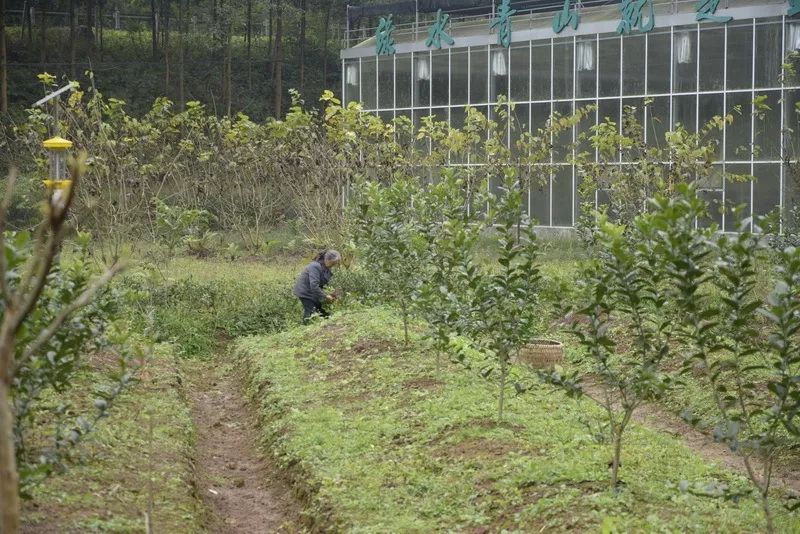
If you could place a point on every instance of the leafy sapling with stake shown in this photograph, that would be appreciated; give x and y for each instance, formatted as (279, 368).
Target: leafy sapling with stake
(729, 349)
(504, 310)
(624, 293)
(452, 233)
(389, 229)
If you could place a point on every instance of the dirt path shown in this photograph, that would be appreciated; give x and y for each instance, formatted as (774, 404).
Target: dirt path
(654, 416)
(244, 490)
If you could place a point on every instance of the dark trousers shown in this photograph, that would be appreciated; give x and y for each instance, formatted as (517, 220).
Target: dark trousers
(311, 307)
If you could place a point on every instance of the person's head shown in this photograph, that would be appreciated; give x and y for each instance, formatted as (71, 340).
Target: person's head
(330, 258)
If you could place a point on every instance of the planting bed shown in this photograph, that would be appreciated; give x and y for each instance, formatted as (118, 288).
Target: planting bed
(378, 443)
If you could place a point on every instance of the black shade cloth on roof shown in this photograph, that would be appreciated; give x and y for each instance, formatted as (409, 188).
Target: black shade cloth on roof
(461, 7)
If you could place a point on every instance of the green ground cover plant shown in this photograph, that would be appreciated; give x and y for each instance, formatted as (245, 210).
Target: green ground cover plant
(137, 462)
(381, 444)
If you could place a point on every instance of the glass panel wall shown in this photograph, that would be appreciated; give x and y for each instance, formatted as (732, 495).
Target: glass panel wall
(479, 74)
(386, 82)
(440, 77)
(520, 71)
(402, 79)
(586, 67)
(658, 62)
(609, 64)
(683, 75)
(459, 77)
(541, 53)
(369, 82)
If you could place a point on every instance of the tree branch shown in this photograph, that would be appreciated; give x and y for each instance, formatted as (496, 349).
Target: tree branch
(84, 299)
(12, 179)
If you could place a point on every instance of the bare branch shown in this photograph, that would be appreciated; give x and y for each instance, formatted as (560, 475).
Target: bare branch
(84, 299)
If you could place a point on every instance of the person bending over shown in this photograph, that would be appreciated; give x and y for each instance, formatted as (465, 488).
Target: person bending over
(310, 284)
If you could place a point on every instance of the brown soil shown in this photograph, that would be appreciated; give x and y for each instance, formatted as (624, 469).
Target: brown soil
(244, 490)
(654, 416)
(422, 383)
(480, 447)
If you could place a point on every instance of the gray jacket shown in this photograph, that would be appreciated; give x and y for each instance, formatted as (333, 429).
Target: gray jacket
(311, 281)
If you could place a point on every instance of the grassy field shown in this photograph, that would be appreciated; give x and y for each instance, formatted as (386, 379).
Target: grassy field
(383, 445)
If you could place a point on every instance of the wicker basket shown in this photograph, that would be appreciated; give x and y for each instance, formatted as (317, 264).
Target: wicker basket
(541, 353)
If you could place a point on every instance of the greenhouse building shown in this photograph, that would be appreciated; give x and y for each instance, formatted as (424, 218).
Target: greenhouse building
(684, 61)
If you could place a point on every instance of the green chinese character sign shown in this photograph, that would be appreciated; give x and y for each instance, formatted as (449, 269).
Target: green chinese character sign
(706, 10)
(632, 17)
(566, 17)
(437, 34)
(503, 23)
(384, 38)
(794, 8)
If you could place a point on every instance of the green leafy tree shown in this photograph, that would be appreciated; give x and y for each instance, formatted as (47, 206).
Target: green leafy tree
(623, 296)
(453, 231)
(391, 233)
(25, 273)
(503, 311)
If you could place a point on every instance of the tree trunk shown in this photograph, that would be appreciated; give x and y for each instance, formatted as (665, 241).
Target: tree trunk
(503, 373)
(3, 60)
(615, 460)
(90, 21)
(248, 37)
(325, 32)
(9, 480)
(181, 44)
(165, 42)
(303, 4)
(72, 37)
(43, 34)
(271, 43)
(278, 60)
(154, 28)
(26, 21)
(100, 36)
(228, 61)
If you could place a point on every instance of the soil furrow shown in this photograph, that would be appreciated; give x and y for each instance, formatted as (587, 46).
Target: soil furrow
(244, 489)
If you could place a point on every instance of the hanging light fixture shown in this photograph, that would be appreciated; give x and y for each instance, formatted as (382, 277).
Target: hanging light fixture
(794, 37)
(499, 64)
(585, 55)
(683, 47)
(423, 68)
(351, 74)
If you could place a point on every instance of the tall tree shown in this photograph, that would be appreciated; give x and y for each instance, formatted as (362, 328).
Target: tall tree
(269, 45)
(27, 22)
(100, 6)
(181, 45)
(3, 60)
(248, 38)
(227, 97)
(43, 33)
(90, 22)
(72, 38)
(278, 59)
(325, 34)
(165, 7)
(153, 28)
(303, 4)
